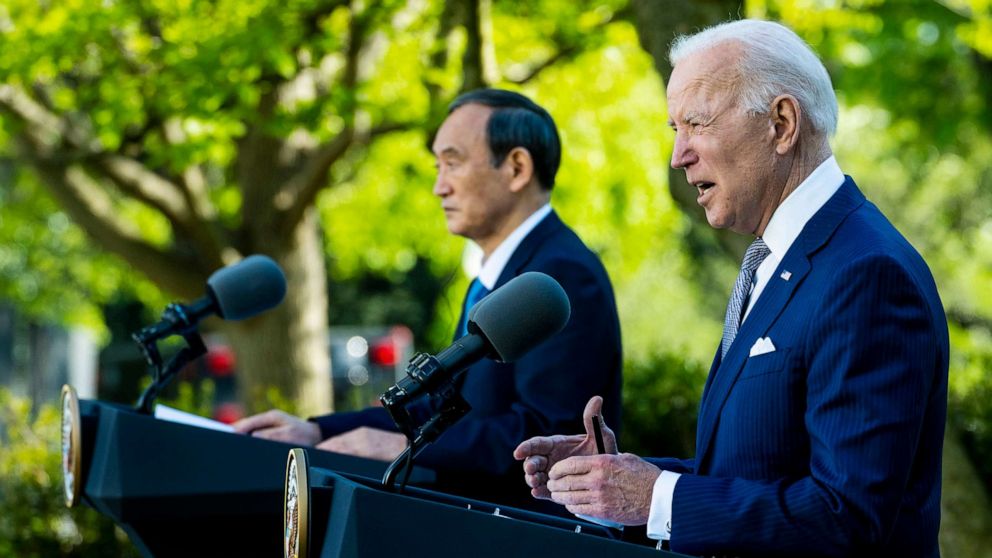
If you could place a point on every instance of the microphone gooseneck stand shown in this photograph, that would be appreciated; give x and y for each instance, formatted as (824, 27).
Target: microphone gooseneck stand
(183, 320)
(450, 405)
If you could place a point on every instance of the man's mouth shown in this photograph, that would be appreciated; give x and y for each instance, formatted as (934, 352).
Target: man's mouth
(702, 186)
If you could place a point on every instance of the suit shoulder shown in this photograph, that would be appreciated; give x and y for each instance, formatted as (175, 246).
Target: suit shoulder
(869, 236)
(566, 258)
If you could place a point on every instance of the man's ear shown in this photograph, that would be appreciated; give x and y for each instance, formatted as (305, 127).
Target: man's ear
(787, 118)
(521, 166)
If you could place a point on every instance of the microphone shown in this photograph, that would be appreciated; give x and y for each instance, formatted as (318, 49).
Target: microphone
(236, 292)
(504, 326)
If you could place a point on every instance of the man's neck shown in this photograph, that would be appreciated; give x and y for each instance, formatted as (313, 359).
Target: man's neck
(513, 220)
(803, 163)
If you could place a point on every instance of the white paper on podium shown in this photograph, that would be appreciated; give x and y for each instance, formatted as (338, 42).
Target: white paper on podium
(164, 412)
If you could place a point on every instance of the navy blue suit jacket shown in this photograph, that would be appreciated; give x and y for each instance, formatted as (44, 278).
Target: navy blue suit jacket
(542, 393)
(831, 444)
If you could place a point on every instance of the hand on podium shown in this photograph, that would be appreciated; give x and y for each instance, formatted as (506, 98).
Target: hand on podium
(279, 426)
(569, 470)
(368, 442)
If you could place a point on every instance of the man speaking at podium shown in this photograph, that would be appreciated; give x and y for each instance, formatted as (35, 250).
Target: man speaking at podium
(497, 155)
(821, 423)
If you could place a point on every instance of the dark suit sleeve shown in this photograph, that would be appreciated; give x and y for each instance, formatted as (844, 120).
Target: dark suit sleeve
(869, 359)
(551, 383)
(339, 423)
(672, 464)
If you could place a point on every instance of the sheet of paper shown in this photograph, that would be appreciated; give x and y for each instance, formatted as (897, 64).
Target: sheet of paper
(164, 412)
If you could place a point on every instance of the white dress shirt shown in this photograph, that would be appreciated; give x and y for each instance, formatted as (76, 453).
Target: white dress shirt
(492, 267)
(784, 227)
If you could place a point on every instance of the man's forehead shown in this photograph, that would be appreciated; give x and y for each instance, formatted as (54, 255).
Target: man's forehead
(713, 66)
(704, 78)
(466, 124)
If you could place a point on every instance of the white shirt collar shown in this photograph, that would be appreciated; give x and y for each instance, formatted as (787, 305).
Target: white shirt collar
(800, 206)
(492, 268)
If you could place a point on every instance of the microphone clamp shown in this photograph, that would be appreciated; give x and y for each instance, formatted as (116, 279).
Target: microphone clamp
(419, 371)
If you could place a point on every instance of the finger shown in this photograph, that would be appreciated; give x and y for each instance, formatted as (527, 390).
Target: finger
(541, 493)
(566, 484)
(537, 445)
(535, 464)
(579, 465)
(593, 408)
(536, 480)
(273, 434)
(267, 419)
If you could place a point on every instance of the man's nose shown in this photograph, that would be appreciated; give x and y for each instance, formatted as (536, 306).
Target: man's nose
(682, 154)
(441, 187)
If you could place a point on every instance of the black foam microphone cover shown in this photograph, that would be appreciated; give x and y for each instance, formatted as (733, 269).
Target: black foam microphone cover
(250, 287)
(521, 314)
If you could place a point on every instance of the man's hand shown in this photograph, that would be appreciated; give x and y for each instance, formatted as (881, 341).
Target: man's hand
(613, 487)
(281, 427)
(367, 442)
(541, 453)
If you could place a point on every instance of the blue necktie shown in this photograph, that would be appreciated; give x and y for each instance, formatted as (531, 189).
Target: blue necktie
(755, 254)
(476, 292)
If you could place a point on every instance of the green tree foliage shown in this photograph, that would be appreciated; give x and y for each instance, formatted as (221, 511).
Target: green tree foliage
(331, 104)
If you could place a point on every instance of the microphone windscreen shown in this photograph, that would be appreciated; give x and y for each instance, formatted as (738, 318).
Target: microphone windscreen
(521, 314)
(247, 288)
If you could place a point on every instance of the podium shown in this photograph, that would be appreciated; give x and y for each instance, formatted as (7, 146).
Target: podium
(330, 515)
(180, 490)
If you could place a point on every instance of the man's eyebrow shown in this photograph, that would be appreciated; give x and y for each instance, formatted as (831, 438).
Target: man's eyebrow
(695, 116)
(449, 152)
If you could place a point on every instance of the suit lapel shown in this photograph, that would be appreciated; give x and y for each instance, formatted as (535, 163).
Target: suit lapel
(767, 309)
(528, 247)
(518, 261)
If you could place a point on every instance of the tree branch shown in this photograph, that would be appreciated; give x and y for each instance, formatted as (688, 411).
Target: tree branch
(60, 151)
(568, 49)
(301, 191)
(472, 61)
(90, 207)
(49, 136)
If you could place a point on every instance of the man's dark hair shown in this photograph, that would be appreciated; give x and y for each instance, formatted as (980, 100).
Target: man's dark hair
(516, 121)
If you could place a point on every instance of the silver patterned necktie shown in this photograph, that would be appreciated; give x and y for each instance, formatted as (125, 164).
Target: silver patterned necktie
(755, 254)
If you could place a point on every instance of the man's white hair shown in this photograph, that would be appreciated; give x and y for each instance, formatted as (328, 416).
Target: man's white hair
(774, 61)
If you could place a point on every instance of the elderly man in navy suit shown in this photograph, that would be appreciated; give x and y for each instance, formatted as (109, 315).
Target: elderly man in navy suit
(821, 424)
(497, 155)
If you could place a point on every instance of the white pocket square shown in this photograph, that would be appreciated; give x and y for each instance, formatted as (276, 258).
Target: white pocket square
(762, 346)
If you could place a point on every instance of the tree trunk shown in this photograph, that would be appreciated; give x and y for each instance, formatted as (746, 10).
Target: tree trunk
(287, 348)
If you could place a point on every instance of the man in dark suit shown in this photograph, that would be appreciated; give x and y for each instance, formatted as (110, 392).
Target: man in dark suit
(497, 155)
(821, 424)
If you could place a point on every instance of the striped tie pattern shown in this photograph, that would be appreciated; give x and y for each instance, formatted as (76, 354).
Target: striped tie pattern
(755, 254)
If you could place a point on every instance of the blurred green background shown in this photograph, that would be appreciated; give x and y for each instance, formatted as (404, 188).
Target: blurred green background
(144, 144)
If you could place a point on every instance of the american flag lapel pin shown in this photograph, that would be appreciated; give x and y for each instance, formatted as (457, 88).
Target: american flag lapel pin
(786, 275)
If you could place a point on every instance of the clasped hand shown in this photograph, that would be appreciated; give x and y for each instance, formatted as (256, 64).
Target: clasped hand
(363, 441)
(569, 470)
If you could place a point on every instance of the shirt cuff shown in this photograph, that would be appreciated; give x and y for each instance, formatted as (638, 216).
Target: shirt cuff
(660, 517)
(598, 521)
